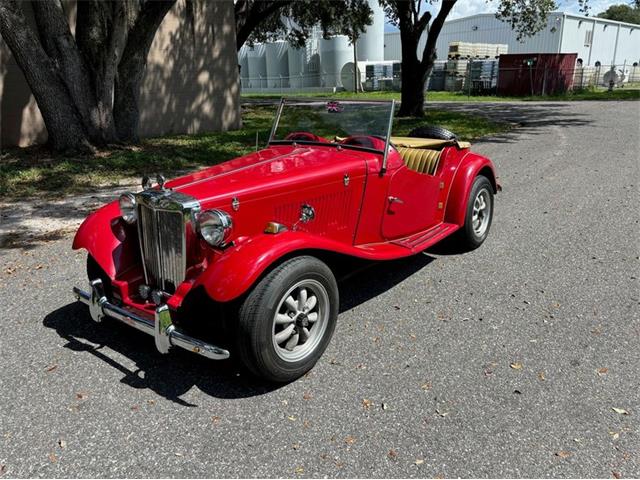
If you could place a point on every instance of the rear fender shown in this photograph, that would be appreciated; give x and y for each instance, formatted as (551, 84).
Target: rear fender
(470, 167)
(239, 267)
(103, 235)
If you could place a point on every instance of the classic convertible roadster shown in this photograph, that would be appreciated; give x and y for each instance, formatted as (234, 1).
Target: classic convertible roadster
(240, 257)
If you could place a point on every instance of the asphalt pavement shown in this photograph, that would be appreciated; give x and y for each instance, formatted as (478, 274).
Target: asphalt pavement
(518, 359)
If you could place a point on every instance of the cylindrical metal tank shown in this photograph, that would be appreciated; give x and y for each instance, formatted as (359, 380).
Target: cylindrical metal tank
(297, 59)
(277, 62)
(335, 52)
(244, 64)
(257, 66)
(347, 77)
(371, 42)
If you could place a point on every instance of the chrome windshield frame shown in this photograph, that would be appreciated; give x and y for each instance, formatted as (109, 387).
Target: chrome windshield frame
(274, 127)
(383, 170)
(283, 100)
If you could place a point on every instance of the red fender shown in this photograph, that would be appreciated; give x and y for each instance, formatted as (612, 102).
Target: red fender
(471, 165)
(103, 235)
(233, 273)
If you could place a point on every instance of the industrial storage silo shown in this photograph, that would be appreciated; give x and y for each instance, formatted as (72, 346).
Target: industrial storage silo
(303, 70)
(335, 52)
(371, 42)
(277, 63)
(257, 66)
(243, 61)
(297, 60)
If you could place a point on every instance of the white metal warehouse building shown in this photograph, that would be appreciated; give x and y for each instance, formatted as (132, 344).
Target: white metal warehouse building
(593, 39)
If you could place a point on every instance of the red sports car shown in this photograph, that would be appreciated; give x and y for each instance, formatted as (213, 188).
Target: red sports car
(241, 257)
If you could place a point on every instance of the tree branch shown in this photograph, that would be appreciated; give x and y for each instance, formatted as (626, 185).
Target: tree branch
(56, 38)
(250, 14)
(428, 55)
(61, 118)
(132, 66)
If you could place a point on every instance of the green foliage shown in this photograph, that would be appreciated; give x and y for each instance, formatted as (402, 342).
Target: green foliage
(34, 171)
(527, 17)
(623, 13)
(295, 20)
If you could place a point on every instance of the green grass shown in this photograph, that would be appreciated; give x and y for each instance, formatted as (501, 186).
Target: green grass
(31, 172)
(629, 92)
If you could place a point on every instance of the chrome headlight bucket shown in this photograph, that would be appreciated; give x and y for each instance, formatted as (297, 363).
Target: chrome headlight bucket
(214, 226)
(128, 207)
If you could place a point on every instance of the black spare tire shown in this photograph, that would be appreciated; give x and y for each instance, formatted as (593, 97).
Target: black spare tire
(432, 131)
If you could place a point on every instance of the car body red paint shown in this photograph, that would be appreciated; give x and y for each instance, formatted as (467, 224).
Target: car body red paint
(346, 186)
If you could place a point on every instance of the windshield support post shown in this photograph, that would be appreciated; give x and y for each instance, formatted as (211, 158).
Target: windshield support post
(274, 127)
(388, 139)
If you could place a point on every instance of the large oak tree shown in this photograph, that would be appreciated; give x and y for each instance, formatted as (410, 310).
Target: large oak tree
(87, 86)
(262, 20)
(414, 19)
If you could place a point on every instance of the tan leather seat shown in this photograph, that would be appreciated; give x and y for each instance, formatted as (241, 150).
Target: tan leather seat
(420, 160)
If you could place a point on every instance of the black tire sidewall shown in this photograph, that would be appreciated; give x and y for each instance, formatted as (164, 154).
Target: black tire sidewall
(471, 238)
(257, 316)
(432, 131)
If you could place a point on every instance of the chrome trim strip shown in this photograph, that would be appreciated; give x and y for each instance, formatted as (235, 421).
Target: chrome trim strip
(388, 140)
(276, 121)
(163, 330)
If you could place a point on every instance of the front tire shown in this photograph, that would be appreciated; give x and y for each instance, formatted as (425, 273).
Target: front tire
(479, 214)
(288, 319)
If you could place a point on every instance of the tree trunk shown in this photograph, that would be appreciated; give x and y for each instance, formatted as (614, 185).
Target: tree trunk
(412, 95)
(61, 47)
(132, 66)
(101, 31)
(413, 79)
(64, 124)
(416, 71)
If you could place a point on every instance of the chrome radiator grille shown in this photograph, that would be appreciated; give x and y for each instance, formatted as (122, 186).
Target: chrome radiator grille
(162, 241)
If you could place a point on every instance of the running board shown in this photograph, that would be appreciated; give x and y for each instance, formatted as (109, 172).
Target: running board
(422, 240)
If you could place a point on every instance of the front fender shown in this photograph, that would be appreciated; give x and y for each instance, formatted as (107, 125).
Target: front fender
(238, 268)
(470, 167)
(103, 235)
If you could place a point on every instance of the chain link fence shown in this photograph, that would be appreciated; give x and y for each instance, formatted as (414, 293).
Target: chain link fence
(473, 77)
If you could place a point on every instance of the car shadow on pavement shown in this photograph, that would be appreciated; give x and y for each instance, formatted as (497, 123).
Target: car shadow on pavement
(173, 375)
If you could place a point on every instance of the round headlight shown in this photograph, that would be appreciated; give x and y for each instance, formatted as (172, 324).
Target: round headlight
(128, 207)
(214, 226)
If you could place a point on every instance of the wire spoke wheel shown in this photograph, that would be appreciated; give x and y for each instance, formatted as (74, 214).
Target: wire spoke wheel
(300, 320)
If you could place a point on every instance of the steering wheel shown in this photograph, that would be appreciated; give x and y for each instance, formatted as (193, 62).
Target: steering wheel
(305, 137)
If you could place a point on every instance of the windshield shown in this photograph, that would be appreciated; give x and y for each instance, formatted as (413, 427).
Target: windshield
(331, 121)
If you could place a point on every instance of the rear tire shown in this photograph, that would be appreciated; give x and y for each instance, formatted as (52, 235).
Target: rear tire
(479, 214)
(432, 131)
(288, 319)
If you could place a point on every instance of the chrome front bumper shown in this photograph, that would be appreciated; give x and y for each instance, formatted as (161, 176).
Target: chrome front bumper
(165, 333)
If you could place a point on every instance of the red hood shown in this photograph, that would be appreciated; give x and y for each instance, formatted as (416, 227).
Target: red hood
(275, 168)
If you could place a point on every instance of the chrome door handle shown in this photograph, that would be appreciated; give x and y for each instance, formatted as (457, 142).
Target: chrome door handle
(395, 200)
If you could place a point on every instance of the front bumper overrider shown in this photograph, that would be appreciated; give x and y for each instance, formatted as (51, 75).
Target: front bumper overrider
(162, 329)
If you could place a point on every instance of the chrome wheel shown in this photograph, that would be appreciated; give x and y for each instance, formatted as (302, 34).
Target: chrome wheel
(481, 214)
(300, 320)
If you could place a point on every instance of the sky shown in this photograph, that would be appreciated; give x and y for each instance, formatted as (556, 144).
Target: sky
(464, 8)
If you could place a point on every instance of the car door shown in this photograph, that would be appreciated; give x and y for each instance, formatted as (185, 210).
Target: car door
(412, 203)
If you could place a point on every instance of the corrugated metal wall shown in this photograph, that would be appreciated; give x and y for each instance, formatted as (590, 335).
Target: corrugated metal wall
(555, 38)
(486, 28)
(594, 40)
